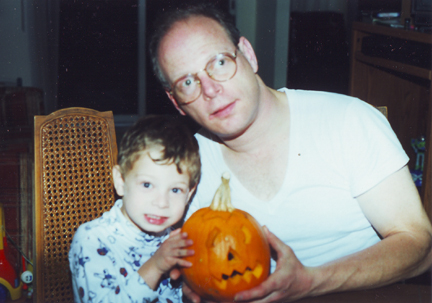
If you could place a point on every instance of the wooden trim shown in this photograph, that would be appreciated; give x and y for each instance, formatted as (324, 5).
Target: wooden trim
(392, 32)
(395, 66)
(37, 209)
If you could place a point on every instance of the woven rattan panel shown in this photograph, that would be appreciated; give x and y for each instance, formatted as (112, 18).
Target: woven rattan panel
(77, 187)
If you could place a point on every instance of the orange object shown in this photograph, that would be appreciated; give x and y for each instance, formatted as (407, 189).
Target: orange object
(231, 251)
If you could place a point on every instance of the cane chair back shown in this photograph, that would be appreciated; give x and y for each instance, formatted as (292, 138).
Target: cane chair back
(75, 150)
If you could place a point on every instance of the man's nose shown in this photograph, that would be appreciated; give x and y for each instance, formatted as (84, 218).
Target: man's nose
(210, 88)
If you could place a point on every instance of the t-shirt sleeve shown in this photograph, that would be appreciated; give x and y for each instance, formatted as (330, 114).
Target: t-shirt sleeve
(373, 151)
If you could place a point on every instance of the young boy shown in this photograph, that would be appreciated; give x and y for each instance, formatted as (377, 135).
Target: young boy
(126, 255)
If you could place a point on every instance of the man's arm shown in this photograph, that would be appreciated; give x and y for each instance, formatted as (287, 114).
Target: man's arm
(394, 209)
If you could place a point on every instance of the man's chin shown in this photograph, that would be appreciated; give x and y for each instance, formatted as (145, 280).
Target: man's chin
(230, 135)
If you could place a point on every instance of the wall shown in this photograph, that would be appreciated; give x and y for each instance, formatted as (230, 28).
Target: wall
(15, 54)
(28, 34)
(266, 25)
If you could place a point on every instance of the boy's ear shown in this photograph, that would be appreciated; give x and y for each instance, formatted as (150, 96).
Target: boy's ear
(191, 192)
(118, 180)
(174, 101)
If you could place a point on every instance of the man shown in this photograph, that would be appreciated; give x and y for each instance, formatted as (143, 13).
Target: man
(323, 172)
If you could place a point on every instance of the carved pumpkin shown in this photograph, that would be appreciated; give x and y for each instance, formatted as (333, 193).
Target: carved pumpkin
(231, 251)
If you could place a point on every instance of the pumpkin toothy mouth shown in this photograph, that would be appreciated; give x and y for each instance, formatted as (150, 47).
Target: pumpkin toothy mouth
(235, 273)
(236, 277)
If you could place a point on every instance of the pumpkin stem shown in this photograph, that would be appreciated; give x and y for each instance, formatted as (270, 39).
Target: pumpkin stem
(222, 198)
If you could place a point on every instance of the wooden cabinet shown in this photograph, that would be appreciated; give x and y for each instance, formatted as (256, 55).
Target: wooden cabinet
(401, 85)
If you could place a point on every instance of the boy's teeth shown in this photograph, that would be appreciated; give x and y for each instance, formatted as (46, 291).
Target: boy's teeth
(154, 217)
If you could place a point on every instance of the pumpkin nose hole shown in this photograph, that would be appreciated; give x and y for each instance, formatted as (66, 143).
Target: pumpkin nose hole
(230, 256)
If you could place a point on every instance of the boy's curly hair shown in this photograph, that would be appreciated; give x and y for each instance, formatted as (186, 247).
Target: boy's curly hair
(178, 142)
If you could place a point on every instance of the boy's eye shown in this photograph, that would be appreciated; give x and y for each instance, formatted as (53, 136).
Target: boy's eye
(146, 184)
(176, 190)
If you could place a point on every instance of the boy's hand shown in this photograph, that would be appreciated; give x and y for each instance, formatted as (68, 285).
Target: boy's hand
(171, 251)
(168, 256)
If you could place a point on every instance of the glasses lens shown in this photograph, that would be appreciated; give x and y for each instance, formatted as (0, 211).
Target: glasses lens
(222, 67)
(187, 88)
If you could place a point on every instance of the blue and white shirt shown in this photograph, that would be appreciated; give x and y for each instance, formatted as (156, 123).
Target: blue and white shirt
(104, 257)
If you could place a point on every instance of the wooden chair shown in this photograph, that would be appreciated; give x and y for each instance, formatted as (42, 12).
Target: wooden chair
(383, 110)
(75, 150)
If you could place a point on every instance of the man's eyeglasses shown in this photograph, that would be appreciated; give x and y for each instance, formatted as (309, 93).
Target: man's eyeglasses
(220, 68)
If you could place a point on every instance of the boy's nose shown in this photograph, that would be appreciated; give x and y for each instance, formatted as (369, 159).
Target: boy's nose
(162, 201)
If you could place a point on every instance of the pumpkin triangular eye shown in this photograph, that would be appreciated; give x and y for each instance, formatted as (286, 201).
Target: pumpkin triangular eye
(230, 256)
(233, 256)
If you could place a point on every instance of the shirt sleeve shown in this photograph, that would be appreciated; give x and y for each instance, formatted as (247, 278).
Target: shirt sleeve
(372, 150)
(97, 276)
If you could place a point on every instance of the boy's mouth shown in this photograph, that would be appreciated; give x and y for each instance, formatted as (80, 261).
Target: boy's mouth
(156, 220)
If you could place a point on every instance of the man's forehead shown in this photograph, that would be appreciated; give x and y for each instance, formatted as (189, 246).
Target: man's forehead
(193, 40)
(195, 28)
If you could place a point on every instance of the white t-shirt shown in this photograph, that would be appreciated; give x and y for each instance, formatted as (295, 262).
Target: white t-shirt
(340, 147)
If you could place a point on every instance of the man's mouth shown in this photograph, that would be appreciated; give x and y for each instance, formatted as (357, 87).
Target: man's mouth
(223, 111)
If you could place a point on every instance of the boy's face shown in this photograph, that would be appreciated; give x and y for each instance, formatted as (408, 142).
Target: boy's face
(154, 195)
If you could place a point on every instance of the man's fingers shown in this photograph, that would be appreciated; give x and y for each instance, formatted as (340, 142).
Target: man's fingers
(259, 292)
(274, 241)
(193, 297)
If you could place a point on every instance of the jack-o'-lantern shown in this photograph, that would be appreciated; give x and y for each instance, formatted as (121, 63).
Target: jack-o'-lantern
(231, 251)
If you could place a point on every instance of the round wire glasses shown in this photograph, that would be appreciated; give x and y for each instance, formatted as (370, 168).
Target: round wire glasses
(221, 67)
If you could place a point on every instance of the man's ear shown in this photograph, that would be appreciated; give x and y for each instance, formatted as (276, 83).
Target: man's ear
(173, 100)
(118, 180)
(248, 52)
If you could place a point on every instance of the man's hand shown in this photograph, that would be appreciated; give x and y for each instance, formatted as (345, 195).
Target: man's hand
(190, 295)
(290, 280)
